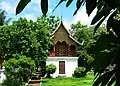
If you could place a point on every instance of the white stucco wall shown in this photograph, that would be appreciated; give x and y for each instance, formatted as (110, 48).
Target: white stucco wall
(2, 75)
(70, 65)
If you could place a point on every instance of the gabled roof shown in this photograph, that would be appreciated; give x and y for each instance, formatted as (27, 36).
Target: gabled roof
(60, 24)
(70, 36)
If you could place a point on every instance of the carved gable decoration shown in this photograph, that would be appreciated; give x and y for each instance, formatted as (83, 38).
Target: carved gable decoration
(62, 34)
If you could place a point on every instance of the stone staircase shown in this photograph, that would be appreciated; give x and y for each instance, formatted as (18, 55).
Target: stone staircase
(35, 80)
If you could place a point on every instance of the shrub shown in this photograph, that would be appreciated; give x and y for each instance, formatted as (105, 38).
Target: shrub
(50, 69)
(79, 72)
(18, 70)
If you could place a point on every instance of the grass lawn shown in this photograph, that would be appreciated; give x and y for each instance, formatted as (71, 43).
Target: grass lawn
(86, 81)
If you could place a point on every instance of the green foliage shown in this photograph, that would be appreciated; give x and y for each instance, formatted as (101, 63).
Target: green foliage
(50, 69)
(79, 72)
(86, 57)
(18, 70)
(106, 58)
(52, 22)
(84, 34)
(27, 38)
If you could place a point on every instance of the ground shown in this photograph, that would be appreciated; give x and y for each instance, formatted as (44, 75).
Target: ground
(86, 81)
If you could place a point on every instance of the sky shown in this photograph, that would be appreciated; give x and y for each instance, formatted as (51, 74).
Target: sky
(32, 11)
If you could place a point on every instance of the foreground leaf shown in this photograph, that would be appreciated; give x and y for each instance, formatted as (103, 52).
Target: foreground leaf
(90, 6)
(78, 5)
(99, 15)
(44, 6)
(21, 5)
(69, 2)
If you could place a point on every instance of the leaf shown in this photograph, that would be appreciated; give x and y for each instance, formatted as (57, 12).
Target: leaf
(99, 15)
(107, 78)
(90, 6)
(100, 5)
(99, 23)
(98, 81)
(103, 79)
(58, 4)
(111, 81)
(104, 41)
(78, 5)
(109, 21)
(69, 2)
(44, 6)
(21, 5)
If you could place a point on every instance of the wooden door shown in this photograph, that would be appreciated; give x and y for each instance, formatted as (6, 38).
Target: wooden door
(61, 67)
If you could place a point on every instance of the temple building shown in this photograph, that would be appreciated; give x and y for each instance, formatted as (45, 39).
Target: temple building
(63, 53)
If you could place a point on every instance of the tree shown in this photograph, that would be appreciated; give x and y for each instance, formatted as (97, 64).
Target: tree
(26, 38)
(83, 33)
(53, 21)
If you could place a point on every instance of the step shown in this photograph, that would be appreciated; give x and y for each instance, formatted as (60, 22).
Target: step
(36, 74)
(34, 81)
(35, 77)
(33, 85)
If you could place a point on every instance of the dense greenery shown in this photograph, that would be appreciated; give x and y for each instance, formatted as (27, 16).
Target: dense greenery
(50, 69)
(26, 38)
(79, 72)
(83, 81)
(53, 22)
(84, 35)
(18, 70)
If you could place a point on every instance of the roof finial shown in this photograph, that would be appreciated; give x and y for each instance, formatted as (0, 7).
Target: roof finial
(61, 18)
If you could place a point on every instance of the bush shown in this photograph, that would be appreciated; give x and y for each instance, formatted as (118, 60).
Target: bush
(18, 70)
(79, 72)
(50, 69)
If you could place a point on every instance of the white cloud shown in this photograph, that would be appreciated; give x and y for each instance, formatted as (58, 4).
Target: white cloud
(83, 17)
(67, 24)
(7, 7)
(35, 2)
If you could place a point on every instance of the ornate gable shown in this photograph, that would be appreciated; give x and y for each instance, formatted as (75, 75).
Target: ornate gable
(62, 34)
(63, 42)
